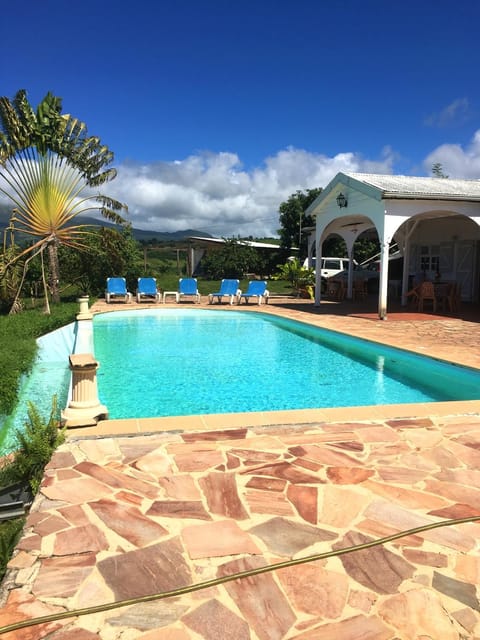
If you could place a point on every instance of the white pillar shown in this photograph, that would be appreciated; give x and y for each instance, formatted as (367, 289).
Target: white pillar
(383, 287)
(350, 275)
(410, 227)
(405, 272)
(318, 275)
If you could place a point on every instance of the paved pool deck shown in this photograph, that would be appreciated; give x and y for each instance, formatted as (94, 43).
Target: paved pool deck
(128, 509)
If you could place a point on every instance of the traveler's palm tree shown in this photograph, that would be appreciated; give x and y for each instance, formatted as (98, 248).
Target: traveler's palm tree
(47, 165)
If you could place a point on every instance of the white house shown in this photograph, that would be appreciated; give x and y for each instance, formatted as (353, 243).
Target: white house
(434, 221)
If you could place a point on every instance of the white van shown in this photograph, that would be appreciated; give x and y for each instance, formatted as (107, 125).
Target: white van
(330, 266)
(339, 267)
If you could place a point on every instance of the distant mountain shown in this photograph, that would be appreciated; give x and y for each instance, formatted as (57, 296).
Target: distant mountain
(139, 234)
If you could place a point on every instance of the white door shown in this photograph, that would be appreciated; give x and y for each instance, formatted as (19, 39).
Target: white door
(447, 260)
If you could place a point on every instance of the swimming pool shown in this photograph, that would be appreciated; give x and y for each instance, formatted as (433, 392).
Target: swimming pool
(185, 362)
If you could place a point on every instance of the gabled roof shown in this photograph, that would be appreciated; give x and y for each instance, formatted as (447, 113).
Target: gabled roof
(416, 187)
(390, 187)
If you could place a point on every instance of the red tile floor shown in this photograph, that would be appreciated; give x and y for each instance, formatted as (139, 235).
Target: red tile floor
(123, 514)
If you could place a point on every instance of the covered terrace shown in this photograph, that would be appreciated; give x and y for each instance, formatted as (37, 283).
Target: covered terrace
(434, 221)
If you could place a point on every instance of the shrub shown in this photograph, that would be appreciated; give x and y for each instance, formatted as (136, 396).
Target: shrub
(36, 444)
(9, 534)
(18, 346)
(231, 260)
(299, 277)
(26, 465)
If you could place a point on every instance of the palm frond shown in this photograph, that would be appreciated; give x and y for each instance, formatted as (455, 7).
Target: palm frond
(12, 128)
(26, 114)
(48, 196)
(48, 164)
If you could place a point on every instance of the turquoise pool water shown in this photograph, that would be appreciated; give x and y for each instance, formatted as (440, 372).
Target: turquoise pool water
(185, 361)
(182, 362)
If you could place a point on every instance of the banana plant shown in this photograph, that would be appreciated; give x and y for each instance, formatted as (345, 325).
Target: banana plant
(301, 278)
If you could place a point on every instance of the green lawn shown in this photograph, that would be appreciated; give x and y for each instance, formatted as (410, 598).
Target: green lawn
(169, 282)
(18, 334)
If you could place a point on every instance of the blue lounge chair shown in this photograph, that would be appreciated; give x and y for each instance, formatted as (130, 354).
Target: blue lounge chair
(188, 287)
(228, 288)
(256, 289)
(147, 288)
(117, 288)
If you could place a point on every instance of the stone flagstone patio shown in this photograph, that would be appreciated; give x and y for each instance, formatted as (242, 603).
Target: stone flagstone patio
(119, 518)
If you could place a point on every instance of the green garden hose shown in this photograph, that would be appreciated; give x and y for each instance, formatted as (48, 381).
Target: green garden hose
(234, 576)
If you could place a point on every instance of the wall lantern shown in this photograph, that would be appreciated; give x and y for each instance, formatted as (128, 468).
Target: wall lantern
(342, 201)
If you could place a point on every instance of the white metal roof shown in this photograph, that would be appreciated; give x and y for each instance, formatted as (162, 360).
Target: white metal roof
(248, 243)
(395, 186)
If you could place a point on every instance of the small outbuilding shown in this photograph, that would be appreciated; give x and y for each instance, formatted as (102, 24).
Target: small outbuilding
(435, 223)
(197, 245)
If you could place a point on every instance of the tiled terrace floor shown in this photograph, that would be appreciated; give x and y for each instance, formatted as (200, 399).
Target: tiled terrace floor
(120, 517)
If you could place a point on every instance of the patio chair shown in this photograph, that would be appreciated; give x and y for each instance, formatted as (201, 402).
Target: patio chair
(188, 287)
(454, 297)
(441, 295)
(147, 289)
(426, 293)
(360, 291)
(336, 289)
(256, 289)
(117, 288)
(229, 288)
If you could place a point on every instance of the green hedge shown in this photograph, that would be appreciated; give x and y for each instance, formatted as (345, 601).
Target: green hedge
(18, 348)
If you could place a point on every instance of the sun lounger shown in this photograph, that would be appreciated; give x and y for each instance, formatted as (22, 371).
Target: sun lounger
(147, 289)
(228, 288)
(256, 289)
(188, 287)
(117, 288)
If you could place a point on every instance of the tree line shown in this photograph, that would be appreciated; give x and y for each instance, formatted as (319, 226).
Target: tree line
(52, 170)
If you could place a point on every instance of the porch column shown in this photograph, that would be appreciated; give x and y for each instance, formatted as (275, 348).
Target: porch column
(318, 275)
(350, 239)
(405, 272)
(310, 247)
(383, 285)
(411, 225)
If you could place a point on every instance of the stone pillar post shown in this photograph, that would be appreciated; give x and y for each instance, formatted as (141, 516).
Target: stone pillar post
(84, 310)
(84, 408)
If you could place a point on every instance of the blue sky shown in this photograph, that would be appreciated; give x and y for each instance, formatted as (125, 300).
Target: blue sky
(218, 111)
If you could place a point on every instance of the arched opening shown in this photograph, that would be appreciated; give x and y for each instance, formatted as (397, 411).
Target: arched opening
(353, 231)
(442, 247)
(434, 222)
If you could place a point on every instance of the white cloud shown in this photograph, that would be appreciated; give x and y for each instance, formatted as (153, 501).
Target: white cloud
(455, 113)
(212, 192)
(456, 161)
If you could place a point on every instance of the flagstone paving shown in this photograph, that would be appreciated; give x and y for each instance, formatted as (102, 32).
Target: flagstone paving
(127, 517)
(120, 517)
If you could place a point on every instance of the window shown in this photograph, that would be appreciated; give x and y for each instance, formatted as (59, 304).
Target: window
(332, 264)
(429, 258)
